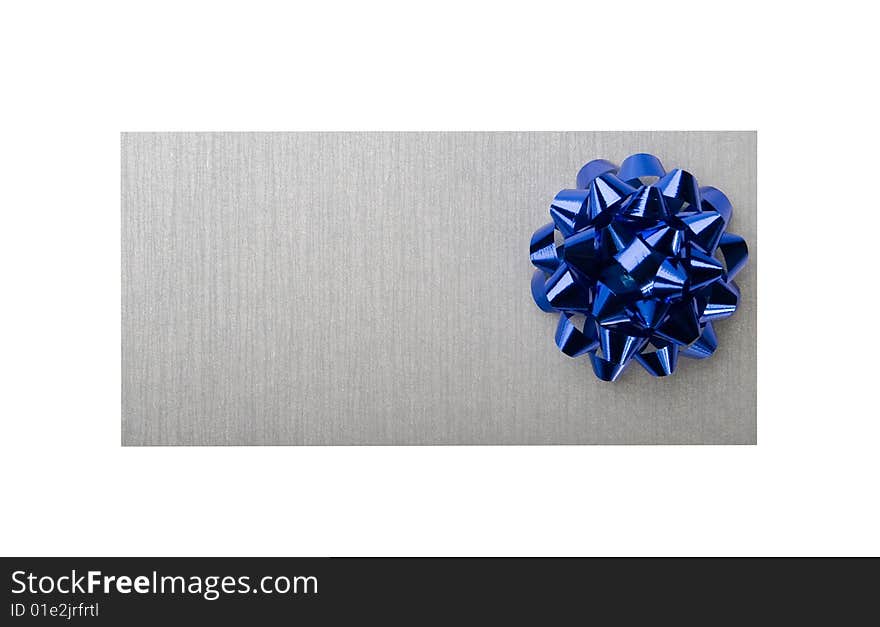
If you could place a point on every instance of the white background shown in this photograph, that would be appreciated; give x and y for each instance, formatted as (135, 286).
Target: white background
(76, 74)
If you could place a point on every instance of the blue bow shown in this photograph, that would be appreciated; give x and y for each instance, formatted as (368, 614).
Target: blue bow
(630, 266)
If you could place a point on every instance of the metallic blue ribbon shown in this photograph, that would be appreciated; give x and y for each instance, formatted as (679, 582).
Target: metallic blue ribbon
(630, 266)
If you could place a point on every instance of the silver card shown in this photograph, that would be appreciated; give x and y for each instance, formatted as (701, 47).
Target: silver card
(373, 288)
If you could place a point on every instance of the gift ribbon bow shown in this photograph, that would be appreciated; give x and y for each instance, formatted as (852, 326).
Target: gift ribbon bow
(631, 267)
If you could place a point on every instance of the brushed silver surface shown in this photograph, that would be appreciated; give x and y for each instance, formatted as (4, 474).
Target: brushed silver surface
(373, 288)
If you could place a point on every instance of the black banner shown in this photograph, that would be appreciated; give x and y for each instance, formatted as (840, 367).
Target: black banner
(132, 590)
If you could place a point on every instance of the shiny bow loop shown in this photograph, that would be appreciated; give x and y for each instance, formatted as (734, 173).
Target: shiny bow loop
(638, 266)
